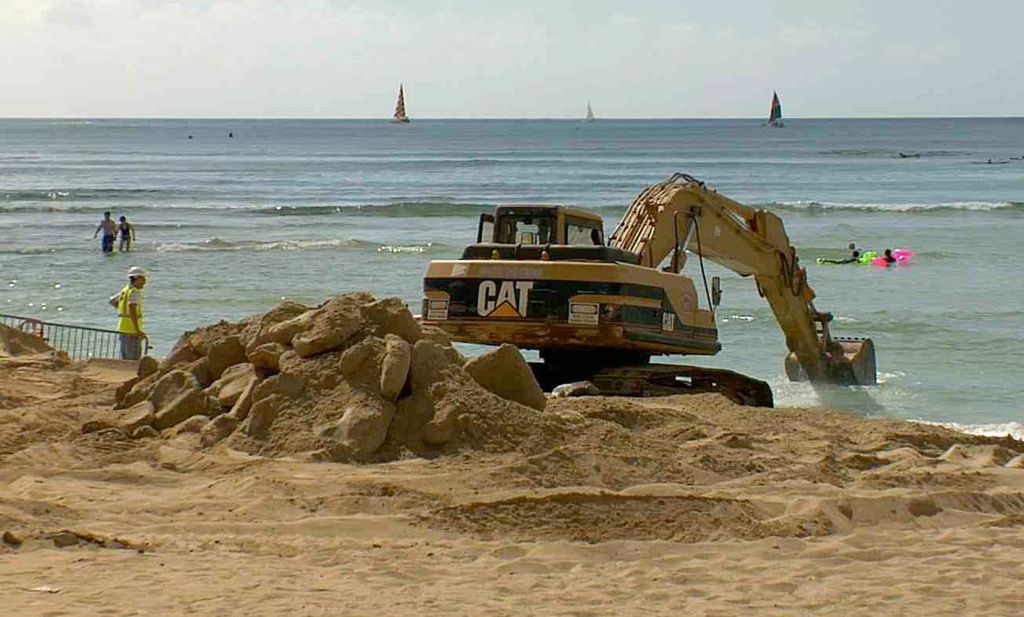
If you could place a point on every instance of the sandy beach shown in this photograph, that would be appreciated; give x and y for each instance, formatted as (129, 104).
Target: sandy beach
(488, 309)
(598, 506)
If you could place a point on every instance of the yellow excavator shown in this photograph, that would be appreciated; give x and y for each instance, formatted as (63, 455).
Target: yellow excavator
(544, 278)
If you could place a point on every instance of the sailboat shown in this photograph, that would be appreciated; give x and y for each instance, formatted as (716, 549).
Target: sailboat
(775, 113)
(400, 117)
(590, 113)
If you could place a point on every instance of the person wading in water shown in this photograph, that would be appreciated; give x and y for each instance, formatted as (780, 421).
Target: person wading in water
(109, 230)
(127, 232)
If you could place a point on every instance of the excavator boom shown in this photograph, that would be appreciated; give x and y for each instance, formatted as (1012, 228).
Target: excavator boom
(682, 214)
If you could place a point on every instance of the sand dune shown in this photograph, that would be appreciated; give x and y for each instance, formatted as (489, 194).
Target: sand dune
(677, 505)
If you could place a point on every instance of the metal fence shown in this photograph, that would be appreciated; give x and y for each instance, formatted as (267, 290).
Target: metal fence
(79, 342)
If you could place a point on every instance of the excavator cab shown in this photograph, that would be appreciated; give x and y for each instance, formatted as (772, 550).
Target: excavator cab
(540, 226)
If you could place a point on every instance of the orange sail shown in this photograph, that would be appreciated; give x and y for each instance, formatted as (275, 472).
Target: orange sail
(400, 116)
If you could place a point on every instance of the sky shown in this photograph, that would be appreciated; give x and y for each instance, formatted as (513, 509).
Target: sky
(513, 59)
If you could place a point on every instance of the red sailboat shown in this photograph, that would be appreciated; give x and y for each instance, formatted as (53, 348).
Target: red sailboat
(400, 117)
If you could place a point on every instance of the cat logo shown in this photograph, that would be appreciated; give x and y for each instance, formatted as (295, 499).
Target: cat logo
(504, 299)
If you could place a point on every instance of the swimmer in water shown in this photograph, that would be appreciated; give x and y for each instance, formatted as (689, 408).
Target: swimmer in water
(852, 259)
(889, 259)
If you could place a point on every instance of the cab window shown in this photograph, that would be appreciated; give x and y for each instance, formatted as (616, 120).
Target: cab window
(526, 229)
(485, 228)
(580, 232)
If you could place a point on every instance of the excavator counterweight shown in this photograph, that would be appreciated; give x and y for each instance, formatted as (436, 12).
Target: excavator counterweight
(543, 277)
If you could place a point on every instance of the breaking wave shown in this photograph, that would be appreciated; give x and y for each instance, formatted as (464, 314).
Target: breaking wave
(80, 194)
(84, 201)
(911, 208)
(401, 209)
(1000, 429)
(218, 244)
(881, 153)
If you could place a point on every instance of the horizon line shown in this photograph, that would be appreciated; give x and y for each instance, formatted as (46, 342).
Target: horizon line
(499, 118)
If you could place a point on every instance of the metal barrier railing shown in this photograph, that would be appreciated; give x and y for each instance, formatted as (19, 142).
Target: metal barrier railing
(79, 342)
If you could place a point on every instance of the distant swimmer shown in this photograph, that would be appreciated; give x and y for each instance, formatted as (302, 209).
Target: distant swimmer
(888, 257)
(190, 137)
(912, 155)
(852, 259)
(109, 230)
(230, 135)
(127, 233)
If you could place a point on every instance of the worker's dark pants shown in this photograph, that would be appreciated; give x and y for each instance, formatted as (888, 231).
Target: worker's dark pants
(131, 347)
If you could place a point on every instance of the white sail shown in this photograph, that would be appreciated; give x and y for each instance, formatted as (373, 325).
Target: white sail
(590, 113)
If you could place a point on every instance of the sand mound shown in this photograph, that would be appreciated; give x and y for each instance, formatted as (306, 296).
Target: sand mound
(24, 350)
(19, 348)
(354, 379)
(17, 343)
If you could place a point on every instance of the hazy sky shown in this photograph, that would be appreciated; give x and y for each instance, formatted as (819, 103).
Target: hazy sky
(523, 58)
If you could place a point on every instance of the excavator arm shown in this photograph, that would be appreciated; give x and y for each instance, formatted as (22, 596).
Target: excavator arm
(683, 214)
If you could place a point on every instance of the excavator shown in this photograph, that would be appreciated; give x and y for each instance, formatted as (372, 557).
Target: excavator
(543, 277)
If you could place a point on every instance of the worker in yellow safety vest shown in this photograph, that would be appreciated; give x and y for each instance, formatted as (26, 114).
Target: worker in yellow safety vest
(129, 314)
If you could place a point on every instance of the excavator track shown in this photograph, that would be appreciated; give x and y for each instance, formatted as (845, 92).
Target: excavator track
(668, 379)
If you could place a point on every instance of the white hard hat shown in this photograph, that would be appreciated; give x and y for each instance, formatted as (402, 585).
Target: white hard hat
(136, 271)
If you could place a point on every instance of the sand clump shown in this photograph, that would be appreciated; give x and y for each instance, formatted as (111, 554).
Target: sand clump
(15, 343)
(18, 348)
(354, 379)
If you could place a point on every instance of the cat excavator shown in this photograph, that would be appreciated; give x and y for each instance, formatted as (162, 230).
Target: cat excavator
(543, 277)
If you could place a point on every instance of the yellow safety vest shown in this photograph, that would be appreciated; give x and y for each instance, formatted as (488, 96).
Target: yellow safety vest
(124, 318)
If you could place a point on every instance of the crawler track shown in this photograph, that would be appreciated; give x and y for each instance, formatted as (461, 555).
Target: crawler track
(663, 380)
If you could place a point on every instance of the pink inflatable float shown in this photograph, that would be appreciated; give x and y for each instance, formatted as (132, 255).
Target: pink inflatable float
(901, 256)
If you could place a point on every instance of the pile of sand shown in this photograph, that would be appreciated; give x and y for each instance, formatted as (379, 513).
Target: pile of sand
(354, 379)
(17, 343)
(19, 348)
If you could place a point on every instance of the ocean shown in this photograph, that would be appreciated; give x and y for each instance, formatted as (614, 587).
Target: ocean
(305, 209)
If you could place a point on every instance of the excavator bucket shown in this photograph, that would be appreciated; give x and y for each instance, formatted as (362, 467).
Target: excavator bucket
(852, 363)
